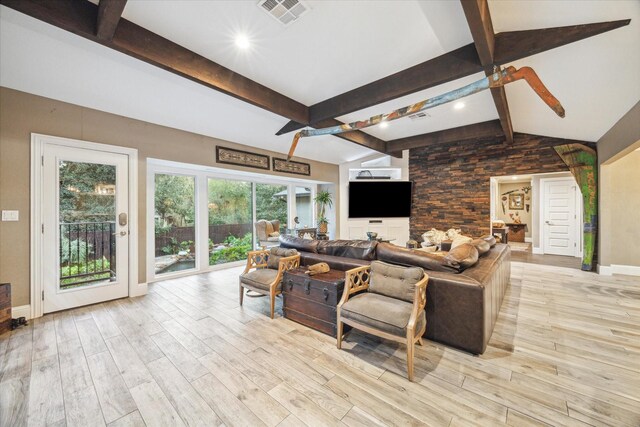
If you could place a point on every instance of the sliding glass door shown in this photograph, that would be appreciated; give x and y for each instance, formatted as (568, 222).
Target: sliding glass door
(174, 223)
(271, 203)
(230, 220)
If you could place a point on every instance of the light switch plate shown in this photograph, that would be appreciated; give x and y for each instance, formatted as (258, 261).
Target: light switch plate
(10, 215)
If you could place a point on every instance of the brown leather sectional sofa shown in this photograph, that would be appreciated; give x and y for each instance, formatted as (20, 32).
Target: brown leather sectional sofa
(462, 304)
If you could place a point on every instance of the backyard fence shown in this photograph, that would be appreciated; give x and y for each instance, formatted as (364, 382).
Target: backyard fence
(217, 233)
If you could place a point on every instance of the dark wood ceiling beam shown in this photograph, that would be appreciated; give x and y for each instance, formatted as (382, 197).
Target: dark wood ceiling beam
(462, 133)
(508, 46)
(479, 20)
(80, 17)
(109, 14)
(442, 69)
(513, 45)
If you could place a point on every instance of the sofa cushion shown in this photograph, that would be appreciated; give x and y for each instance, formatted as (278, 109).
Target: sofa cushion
(302, 245)
(276, 253)
(386, 314)
(489, 239)
(462, 257)
(411, 258)
(358, 249)
(481, 245)
(394, 281)
(260, 278)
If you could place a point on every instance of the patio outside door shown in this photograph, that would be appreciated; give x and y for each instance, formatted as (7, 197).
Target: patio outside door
(85, 229)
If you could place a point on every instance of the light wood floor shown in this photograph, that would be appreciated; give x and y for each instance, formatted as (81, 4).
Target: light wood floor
(565, 351)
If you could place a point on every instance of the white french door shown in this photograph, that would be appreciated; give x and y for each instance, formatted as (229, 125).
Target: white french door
(559, 215)
(85, 226)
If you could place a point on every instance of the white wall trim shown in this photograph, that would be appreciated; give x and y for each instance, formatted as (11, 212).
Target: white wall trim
(537, 250)
(627, 270)
(38, 142)
(528, 239)
(21, 311)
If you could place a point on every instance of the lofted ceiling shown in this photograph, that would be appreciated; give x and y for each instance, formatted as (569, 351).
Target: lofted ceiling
(333, 48)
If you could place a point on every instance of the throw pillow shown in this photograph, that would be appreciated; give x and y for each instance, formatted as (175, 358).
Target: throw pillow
(489, 239)
(462, 256)
(481, 245)
(276, 253)
(459, 240)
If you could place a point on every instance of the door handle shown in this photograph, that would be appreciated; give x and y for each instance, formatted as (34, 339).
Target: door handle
(549, 222)
(122, 233)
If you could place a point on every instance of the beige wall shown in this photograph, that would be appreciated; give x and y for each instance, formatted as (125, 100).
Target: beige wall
(620, 211)
(22, 114)
(619, 192)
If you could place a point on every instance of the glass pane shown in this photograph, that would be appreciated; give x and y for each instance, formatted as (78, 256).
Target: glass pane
(87, 214)
(230, 228)
(271, 203)
(174, 218)
(304, 208)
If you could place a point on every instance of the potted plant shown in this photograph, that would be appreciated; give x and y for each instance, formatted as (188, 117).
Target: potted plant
(323, 200)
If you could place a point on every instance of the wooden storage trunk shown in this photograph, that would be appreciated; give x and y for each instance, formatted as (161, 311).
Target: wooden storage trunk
(312, 300)
(5, 307)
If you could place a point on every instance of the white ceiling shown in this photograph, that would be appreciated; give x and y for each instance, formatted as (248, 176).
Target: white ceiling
(334, 47)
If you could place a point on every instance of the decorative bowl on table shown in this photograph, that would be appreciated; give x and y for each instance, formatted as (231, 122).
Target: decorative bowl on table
(372, 235)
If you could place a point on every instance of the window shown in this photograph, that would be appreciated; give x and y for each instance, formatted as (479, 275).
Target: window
(175, 223)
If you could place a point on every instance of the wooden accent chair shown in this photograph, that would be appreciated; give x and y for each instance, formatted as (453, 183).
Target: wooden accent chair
(389, 303)
(264, 271)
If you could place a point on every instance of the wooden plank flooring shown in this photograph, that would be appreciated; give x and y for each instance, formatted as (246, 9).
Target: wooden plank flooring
(565, 351)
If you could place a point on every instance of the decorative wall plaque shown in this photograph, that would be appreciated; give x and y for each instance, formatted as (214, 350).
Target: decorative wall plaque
(231, 156)
(281, 165)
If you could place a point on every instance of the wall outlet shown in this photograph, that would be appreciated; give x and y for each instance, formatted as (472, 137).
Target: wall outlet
(10, 215)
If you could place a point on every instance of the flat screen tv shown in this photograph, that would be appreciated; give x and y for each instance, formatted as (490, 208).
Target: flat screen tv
(380, 199)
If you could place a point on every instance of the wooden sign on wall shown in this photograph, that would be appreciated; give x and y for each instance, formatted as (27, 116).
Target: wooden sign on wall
(281, 165)
(231, 156)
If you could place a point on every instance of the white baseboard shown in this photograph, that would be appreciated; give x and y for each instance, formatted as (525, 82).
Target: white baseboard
(528, 239)
(628, 270)
(536, 250)
(21, 311)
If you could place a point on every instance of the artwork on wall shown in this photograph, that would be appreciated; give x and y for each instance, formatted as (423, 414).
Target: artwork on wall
(232, 156)
(282, 165)
(516, 201)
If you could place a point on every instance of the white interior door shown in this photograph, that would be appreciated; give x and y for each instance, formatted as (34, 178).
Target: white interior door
(559, 215)
(85, 212)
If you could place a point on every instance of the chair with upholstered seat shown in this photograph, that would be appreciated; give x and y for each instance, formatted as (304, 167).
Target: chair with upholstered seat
(387, 301)
(264, 271)
(267, 233)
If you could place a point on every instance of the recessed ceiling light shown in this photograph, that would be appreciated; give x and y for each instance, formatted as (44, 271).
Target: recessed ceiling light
(458, 105)
(384, 125)
(514, 177)
(242, 41)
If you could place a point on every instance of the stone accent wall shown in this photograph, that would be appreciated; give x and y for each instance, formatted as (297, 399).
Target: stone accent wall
(451, 181)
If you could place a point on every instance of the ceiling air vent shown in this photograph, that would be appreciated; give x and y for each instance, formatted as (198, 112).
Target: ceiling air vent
(418, 116)
(285, 11)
